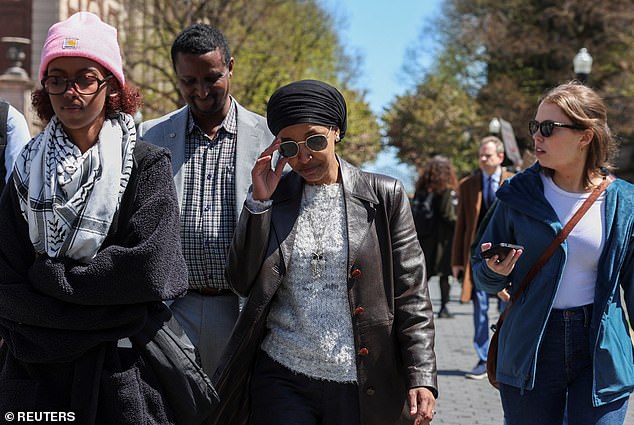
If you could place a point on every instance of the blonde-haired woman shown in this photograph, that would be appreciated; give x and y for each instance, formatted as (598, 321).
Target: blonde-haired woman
(565, 342)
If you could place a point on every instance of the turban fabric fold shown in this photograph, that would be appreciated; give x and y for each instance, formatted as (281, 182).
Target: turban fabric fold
(306, 101)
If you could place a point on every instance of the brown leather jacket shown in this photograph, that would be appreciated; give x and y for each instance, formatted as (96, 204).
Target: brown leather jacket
(387, 291)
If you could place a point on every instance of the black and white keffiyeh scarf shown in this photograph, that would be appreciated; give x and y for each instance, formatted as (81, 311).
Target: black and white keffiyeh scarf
(68, 198)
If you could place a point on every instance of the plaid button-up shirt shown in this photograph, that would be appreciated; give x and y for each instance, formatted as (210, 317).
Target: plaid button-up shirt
(209, 200)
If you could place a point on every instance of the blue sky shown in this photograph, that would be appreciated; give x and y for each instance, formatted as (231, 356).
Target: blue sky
(381, 31)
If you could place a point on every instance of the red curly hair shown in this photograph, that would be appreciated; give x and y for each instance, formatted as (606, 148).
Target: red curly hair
(129, 100)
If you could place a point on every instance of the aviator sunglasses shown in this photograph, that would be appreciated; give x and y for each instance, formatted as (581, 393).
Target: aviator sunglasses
(547, 127)
(315, 143)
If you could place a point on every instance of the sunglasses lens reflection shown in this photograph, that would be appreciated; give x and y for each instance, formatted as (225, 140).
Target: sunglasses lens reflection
(289, 149)
(545, 127)
(318, 142)
(533, 126)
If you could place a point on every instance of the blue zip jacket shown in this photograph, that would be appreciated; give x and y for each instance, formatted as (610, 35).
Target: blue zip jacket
(523, 216)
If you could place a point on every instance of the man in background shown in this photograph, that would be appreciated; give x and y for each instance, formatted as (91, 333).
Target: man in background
(475, 195)
(214, 143)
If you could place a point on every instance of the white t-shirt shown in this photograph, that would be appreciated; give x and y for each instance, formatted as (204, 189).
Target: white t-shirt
(585, 244)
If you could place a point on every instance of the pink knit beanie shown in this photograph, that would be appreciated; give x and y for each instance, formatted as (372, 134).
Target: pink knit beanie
(87, 36)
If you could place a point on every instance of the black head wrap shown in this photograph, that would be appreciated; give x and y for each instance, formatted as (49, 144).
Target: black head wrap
(306, 101)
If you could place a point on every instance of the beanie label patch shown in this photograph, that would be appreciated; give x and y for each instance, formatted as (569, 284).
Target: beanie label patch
(70, 43)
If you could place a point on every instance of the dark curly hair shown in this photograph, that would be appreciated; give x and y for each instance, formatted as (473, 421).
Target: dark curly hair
(129, 100)
(437, 175)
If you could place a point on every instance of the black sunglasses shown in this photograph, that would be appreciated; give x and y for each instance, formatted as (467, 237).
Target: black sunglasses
(547, 127)
(316, 143)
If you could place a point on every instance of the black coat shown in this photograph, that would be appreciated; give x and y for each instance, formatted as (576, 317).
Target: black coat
(60, 320)
(437, 243)
(393, 334)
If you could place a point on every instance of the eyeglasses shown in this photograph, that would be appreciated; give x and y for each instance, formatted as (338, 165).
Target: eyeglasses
(316, 143)
(546, 127)
(84, 84)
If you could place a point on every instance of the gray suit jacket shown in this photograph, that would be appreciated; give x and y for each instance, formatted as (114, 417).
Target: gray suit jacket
(169, 131)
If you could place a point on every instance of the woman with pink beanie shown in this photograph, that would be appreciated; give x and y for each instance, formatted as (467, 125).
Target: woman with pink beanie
(89, 244)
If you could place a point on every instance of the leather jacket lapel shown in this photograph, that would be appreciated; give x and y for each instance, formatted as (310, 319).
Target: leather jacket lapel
(361, 204)
(286, 200)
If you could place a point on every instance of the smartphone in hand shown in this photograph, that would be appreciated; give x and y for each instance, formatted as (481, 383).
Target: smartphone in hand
(501, 250)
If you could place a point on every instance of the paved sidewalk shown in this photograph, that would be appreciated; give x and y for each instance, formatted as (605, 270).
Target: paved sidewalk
(465, 401)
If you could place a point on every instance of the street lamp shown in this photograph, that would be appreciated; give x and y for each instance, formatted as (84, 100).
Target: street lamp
(582, 64)
(495, 126)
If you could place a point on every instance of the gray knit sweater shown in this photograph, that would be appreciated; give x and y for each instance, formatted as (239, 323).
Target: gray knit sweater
(310, 329)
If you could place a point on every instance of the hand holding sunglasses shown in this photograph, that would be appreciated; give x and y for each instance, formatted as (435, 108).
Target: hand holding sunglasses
(266, 174)
(315, 143)
(546, 127)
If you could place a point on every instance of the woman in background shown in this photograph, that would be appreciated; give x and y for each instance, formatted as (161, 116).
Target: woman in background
(434, 209)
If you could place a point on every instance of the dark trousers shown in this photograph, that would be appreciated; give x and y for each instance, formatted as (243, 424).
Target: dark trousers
(282, 397)
(443, 281)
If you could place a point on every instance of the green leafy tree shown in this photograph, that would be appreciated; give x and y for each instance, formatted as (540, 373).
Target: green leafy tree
(528, 48)
(507, 53)
(439, 116)
(273, 42)
(362, 141)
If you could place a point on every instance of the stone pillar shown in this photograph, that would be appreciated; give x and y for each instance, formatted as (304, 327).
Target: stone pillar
(15, 84)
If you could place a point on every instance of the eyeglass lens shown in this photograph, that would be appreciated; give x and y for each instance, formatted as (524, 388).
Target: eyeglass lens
(315, 143)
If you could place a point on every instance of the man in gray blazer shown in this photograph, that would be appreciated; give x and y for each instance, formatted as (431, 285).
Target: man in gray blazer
(214, 143)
